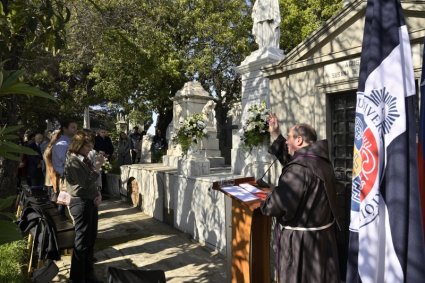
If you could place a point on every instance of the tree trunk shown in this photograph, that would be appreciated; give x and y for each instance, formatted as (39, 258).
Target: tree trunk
(164, 120)
(224, 138)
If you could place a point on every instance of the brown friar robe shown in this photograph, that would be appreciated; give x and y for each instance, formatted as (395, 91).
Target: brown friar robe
(305, 197)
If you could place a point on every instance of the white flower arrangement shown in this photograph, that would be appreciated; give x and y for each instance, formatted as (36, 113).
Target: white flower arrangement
(255, 129)
(106, 167)
(192, 130)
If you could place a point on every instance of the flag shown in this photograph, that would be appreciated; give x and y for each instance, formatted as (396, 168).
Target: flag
(386, 236)
(421, 142)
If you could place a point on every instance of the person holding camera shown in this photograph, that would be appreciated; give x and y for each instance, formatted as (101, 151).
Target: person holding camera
(81, 176)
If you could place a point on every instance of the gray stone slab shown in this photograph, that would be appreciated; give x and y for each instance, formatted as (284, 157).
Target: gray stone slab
(127, 238)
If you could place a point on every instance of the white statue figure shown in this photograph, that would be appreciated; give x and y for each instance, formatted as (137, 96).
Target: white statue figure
(266, 27)
(236, 111)
(209, 112)
(178, 112)
(146, 143)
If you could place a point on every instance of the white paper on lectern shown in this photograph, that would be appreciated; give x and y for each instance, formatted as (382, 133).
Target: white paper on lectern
(250, 188)
(239, 193)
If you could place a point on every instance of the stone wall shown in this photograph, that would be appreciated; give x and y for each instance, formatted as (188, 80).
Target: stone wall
(187, 203)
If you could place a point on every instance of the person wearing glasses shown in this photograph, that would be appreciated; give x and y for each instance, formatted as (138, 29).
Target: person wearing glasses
(304, 204)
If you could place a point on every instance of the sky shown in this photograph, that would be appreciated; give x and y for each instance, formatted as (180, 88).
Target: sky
(151, 129)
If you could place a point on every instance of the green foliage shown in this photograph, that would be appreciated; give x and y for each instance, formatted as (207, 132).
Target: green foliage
(9, 149)
(140, 116)
(6, 203)
(10, 84)
(14, 256)
(301, 18)
(9, 232)
(30, 25)
(31, 34)
(9, 229)
(140, 53)
(115, 168)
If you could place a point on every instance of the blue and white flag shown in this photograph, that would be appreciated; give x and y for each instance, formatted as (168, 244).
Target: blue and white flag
(386, 238)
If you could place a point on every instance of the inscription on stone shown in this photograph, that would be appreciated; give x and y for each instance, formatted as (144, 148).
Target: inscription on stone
(342, 71)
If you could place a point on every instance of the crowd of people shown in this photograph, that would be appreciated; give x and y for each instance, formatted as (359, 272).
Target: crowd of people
(68, 164)
(54, 144)
(304, 201)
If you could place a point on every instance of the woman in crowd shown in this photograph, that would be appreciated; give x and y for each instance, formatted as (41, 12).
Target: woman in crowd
(50, 179)
(81, 175)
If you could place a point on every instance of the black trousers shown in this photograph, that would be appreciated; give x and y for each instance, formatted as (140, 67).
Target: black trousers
(85, 215)
(133, 154)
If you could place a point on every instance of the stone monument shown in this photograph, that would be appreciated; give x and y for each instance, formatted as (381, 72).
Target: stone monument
(255, 87)
(145, 154)
(121, 123)
(191, 99)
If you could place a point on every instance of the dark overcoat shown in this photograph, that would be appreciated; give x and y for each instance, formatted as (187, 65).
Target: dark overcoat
(305, 198)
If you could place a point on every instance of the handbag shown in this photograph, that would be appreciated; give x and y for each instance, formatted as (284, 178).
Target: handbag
(63, 198)
(45, 273)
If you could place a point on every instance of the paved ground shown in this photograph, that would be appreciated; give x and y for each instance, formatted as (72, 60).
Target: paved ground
(128, 238)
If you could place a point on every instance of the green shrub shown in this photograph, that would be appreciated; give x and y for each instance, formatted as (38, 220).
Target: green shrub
(9, 230)
(13, 260)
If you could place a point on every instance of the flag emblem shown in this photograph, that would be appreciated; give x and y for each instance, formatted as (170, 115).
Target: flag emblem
(386, 241)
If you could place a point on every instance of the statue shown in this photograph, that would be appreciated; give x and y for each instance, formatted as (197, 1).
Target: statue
(235, 111)
(266, 27)
(209, 112)
(178, 111)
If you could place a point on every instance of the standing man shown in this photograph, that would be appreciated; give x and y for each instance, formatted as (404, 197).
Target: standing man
(103, 143)
(135, 138)
(35, 175)
(304, 204)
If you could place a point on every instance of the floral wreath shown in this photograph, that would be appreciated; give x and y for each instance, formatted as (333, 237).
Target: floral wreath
(255, 129)
(192, 130)
(106, 166)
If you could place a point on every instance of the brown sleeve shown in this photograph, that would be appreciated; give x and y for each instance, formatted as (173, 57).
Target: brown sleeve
(279, 149)
(285, 199)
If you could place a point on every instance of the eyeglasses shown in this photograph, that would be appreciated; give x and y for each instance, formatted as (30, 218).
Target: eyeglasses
(288, 136)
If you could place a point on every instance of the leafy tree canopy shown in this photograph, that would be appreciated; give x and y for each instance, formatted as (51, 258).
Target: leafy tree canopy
(301, 18)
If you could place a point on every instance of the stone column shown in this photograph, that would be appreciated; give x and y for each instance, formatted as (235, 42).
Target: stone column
(255, 88)
(86, 124)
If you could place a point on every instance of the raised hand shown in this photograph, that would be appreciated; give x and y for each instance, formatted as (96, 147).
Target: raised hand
(273, 126)
(100, 159)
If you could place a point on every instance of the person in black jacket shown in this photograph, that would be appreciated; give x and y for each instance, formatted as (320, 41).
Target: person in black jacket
(35, 176)
(81, 175)
(103, 144)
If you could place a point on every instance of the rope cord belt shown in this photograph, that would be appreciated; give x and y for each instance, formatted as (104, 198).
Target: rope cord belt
(309, 229)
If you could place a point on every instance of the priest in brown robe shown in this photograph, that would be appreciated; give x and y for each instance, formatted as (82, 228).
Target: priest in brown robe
(304, 204)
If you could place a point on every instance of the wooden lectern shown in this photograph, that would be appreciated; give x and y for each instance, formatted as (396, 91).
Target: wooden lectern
(250, 239)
